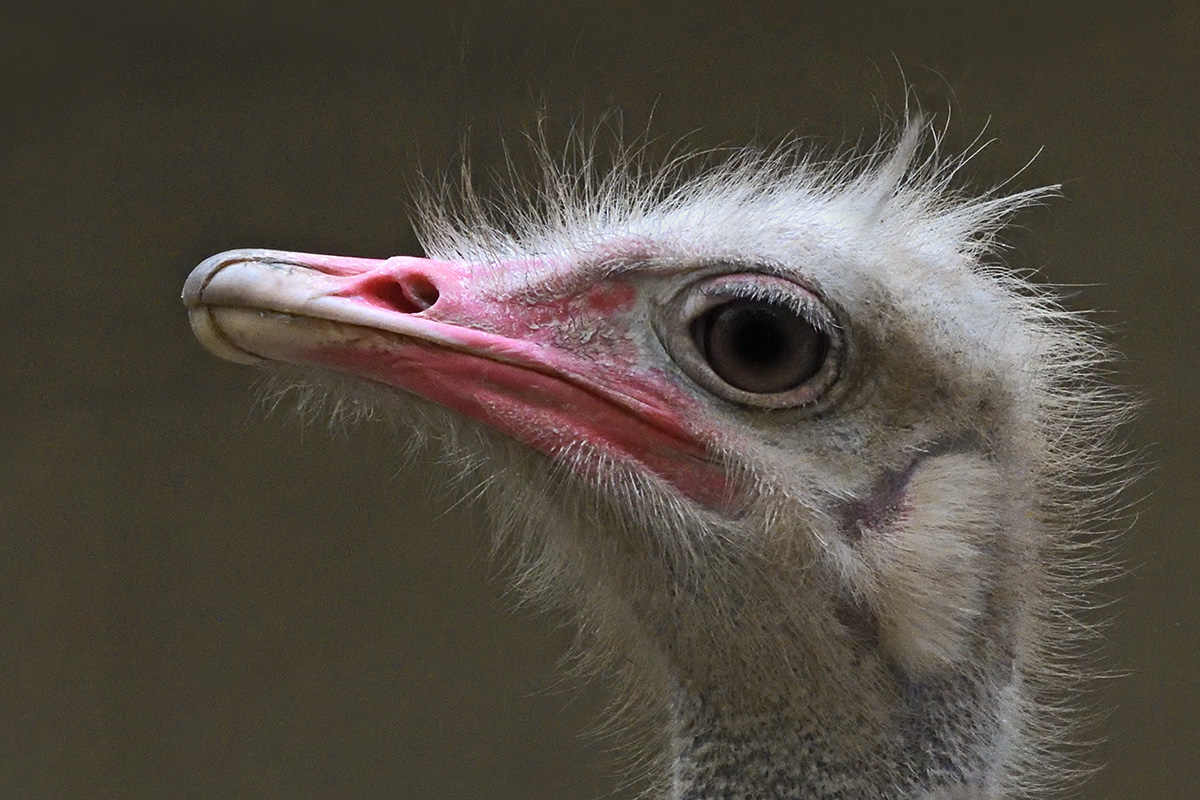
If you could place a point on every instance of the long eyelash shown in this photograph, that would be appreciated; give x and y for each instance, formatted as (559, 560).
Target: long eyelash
(800, 303)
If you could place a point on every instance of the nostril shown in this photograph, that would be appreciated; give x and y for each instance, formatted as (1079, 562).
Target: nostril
(421, 290)
(408, 294)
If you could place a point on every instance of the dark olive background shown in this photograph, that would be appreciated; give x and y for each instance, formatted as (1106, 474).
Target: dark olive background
(201, 602)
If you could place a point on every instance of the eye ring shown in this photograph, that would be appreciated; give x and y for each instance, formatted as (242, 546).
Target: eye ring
(755, 339)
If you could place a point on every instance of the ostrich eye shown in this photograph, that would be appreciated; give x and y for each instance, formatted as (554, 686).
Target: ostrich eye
(758, 346)
(755, 339)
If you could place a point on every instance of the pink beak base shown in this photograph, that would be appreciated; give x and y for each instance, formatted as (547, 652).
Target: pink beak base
(420, 326)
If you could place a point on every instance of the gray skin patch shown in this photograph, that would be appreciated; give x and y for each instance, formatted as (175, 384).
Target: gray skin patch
(883, 509)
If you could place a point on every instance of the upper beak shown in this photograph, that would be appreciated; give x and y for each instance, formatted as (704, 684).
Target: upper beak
(231, 296)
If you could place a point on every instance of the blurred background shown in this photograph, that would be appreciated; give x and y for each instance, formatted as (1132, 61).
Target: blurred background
(200, 601)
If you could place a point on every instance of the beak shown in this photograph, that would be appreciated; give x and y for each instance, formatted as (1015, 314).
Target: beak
(428, 328)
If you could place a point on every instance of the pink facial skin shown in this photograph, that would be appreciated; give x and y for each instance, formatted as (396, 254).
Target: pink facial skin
(554, 373)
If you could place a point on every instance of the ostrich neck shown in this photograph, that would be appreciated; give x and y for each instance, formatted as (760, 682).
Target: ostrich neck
(776, 707)
(779, 688)
(932, 742)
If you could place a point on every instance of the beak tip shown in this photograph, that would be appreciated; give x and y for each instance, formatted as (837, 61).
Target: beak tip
(209, 334)
(199, 277)
(205, 328)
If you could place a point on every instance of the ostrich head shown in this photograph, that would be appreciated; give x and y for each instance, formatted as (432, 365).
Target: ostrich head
(804, 461)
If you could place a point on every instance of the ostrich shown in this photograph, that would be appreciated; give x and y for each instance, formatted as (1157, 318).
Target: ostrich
(810, 468)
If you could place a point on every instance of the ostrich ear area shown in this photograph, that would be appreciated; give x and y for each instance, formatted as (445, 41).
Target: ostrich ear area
(421, 326)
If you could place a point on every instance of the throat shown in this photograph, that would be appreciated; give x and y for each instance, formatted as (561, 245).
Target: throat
(933, 741)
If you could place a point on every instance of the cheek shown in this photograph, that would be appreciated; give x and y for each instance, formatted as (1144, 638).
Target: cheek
(917, 554)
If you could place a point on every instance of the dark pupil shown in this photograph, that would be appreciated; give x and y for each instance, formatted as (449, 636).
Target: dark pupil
(760, 347)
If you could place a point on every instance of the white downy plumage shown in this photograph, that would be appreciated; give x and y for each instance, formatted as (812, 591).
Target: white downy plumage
(858, 574)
